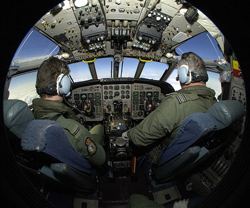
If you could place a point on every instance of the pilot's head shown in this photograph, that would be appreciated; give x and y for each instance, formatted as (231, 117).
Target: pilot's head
(191, 69)
(53, 78)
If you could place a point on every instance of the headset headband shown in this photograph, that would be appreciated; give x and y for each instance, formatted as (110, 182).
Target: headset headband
(198, 78)
(49, 90)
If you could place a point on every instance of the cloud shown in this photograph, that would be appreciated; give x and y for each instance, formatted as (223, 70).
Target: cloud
(24, 94)
(174, 83)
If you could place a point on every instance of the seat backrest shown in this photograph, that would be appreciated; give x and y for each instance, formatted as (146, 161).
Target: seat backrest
(201, 126)
(49, 137)
(42, 135)
(193, 128)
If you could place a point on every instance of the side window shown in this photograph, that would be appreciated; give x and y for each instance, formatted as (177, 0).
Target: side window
(214, 83)
(23, 87)
(35, 44)
(172, 80)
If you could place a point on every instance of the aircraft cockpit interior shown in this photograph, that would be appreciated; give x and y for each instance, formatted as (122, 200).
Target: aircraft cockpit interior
(123, 58)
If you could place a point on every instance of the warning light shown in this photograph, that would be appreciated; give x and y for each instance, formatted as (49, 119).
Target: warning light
(150, 106)
(85, 106)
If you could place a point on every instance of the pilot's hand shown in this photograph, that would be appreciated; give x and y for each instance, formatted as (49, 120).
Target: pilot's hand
(125, 136)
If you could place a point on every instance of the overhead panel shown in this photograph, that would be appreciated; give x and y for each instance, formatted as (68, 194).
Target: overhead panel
(137, 28)
(123, 10)
(62, 27)
(92, 24)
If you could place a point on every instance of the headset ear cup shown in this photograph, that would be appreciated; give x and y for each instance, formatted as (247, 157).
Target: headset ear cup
(63, 84)
(184, 75)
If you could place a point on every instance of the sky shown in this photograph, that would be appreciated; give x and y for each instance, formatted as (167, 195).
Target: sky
(34, 44)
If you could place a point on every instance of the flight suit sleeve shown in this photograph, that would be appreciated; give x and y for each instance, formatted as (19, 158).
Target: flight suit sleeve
(84, 142)
(156, 125)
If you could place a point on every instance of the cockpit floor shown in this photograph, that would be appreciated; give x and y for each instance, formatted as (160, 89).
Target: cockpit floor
(116, 192)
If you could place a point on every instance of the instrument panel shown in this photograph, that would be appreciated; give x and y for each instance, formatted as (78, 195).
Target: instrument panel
(98, 101)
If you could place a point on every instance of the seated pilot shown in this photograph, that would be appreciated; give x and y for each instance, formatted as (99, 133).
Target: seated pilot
(159, 128)
(53, 82)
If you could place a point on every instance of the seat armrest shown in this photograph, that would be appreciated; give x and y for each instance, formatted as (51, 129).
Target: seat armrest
(81, 179)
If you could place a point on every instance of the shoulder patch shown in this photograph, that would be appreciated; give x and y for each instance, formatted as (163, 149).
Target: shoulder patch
(91, 146)
(181, 98)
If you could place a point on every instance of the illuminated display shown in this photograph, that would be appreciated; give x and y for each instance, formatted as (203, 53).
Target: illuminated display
(83, 96)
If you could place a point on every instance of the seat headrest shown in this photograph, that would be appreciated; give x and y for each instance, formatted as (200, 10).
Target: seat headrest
(17, 116)
(226, 112)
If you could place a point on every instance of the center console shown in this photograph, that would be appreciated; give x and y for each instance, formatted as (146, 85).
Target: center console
(119, 107)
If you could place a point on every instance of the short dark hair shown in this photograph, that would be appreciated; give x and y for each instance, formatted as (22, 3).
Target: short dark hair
(195, 64)
(48, 72)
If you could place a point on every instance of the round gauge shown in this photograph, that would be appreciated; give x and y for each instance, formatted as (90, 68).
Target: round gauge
(141, 100)
(91, 95)
(135, 94)
(98, 95)
(135, 101)
(98, 102)
(142, 94)
(141, 87)
(91, 89)
(76, 96)
(156, 94)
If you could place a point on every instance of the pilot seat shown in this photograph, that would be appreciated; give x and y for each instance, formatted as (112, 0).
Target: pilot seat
(200, 136)
(46, 152)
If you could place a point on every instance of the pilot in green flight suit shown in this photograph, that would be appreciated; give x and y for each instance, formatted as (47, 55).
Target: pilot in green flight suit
(53, 82)
(162, 124)
(159, 128)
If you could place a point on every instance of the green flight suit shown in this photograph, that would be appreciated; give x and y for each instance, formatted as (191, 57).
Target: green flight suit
(87, 143)
(162, 124)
